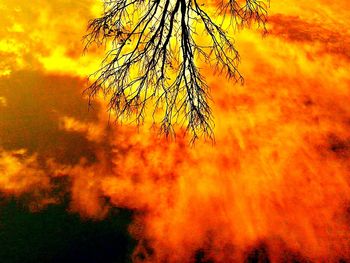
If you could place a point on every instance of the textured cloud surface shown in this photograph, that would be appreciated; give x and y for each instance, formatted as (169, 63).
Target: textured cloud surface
(274, 185)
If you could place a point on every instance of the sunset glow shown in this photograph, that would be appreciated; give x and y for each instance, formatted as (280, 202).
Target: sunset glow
(275, 183)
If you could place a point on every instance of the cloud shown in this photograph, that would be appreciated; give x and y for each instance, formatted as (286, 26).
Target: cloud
(276, 181)
(92, 131)
(3, 102)
(36, 102)
(45, 36)
(19, 174)
(331, 41)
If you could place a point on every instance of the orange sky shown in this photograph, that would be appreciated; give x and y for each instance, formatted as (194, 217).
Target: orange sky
(277, 177)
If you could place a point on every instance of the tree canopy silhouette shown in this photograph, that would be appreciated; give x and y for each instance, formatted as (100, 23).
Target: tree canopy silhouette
(154, 48)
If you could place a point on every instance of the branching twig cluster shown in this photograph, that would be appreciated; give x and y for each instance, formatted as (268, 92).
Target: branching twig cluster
(153, 55)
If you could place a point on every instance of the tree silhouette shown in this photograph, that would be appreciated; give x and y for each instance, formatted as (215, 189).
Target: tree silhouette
(153, 52)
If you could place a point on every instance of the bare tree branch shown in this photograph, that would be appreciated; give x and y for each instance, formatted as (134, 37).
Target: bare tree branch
(152, 56)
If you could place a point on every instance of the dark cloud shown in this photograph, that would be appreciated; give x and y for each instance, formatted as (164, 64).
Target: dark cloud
(35, 102)
(55, 236)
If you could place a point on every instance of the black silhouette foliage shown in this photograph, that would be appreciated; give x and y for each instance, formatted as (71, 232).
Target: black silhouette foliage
(154, 48)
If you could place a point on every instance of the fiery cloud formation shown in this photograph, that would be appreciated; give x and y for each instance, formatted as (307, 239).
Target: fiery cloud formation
(274, 185)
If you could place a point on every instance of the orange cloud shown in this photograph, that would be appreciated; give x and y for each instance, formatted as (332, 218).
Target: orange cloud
(20, 174)
(295, 29)
(274, 185)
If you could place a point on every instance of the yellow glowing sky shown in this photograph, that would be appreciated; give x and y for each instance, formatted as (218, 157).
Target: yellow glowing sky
(47, 35)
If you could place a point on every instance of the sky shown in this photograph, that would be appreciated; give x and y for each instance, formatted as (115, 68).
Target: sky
(274, 185)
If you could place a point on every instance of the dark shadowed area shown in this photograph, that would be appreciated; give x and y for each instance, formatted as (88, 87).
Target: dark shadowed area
(53, 235)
